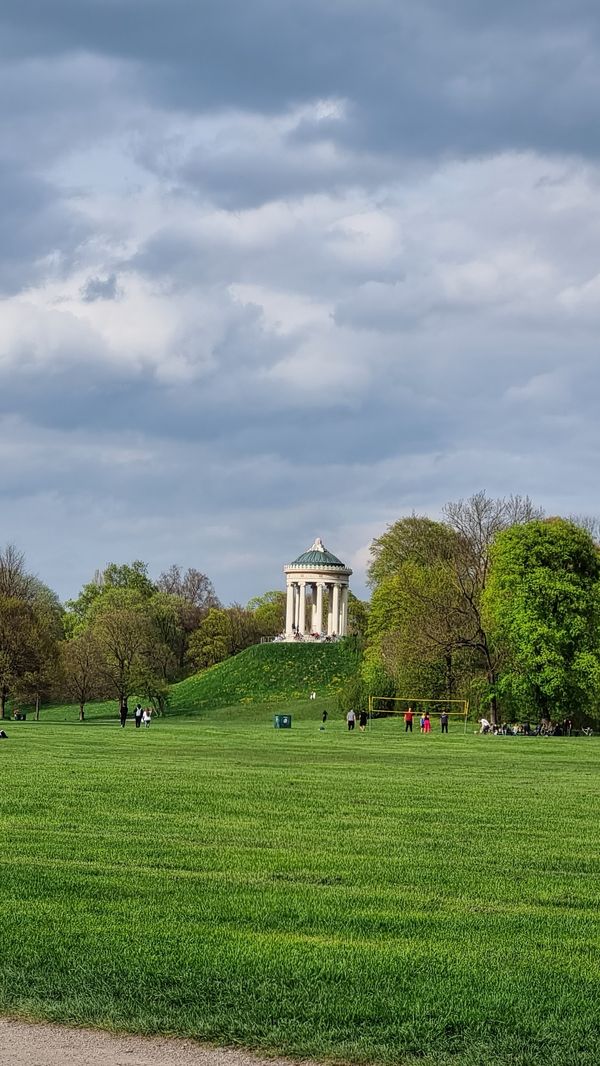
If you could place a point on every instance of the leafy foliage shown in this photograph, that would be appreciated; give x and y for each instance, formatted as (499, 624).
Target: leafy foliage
(543, 600)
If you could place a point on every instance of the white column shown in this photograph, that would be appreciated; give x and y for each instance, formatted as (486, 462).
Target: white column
(337, 609)
(329, 610)
(289, 609)
(313, 608)
(319, 618)
(344, 612)
(302, 612)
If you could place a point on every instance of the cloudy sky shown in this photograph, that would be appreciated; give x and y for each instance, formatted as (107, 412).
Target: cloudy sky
(278, 269)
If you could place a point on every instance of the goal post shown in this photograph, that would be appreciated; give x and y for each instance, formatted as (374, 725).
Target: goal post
(379, 707)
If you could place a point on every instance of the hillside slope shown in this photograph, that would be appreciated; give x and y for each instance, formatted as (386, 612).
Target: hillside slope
(265, 673)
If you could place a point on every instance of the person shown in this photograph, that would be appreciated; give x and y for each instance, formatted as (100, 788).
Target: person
(422, 723)
(427, 723)
(3, 735)
(324, 718)
(567, 727)
(123, 711)
(313, 696)
(408, 721)
(138, 715)
(444, 721)
(147, 716)
(363, 718)
(351, 719)
(485, 725)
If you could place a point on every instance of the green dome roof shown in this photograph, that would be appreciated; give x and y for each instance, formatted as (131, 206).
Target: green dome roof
(317, 555)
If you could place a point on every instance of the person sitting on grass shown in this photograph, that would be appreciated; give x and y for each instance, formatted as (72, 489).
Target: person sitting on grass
(485, 725)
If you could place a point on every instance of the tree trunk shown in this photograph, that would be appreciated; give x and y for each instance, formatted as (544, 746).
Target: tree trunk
(37, 708)
(3, 695)
(493, 698)
(81, 712)
(449, 676)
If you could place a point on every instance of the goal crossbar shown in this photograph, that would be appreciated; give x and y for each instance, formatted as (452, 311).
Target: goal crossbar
(462, 706)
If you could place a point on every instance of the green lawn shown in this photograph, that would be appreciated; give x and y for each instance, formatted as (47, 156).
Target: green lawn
(430, 900)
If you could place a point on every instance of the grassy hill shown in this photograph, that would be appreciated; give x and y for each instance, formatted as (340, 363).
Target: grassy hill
(263, 674)
(266, 673)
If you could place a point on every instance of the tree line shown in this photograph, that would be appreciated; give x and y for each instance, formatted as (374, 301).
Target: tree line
(125, 634)
(495, 603)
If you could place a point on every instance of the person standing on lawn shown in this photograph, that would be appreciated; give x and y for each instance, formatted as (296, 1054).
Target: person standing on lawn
(123, 711)
(138, 715)
(408, 720)
(444, 721)
(351, 720)
(363, 718)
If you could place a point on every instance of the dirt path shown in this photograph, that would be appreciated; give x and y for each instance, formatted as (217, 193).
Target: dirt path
(24, 1044)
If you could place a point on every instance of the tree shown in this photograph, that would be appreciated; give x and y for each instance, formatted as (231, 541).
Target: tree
(194, 595)
(16, 645)
(120, 622)
(358, 615)
(82, 664)
(194, 587)
(442, 570)
(542, 602)
(126, 576)
(269, 613)
(40, 675)
(224, 632)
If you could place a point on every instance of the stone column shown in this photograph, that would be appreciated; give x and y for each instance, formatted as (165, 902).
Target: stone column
(329, 609)
(313, 607)
(319, 618)
(336, 609)
(344, 612)
(302, 611)
(289, 609)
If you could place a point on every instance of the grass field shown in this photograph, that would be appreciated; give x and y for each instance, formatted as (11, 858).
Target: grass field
(424, 900)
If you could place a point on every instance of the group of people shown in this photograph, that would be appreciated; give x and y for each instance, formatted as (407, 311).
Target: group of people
(141, 715)
(424, 721)
(544, 728)
(351, 719)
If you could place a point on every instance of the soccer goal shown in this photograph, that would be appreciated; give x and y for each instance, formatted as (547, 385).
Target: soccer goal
(397, 706)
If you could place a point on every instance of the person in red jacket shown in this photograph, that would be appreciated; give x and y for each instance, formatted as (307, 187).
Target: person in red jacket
(408, 721)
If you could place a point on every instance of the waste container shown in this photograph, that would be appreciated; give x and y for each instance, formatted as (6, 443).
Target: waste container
(282, 721)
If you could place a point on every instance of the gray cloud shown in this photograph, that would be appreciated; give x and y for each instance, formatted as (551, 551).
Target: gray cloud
(97, 288)
(270, 271)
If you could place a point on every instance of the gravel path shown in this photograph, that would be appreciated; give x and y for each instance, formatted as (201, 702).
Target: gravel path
(24, 1044)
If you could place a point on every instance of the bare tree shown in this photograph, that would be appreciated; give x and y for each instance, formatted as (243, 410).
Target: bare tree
(192, 586)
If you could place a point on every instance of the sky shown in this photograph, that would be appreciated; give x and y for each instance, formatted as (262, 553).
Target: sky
(278, 270)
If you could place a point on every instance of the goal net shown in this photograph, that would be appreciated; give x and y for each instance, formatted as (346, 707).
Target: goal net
(398, 706)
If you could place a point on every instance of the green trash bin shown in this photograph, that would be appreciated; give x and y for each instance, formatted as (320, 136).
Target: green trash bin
(282, 721)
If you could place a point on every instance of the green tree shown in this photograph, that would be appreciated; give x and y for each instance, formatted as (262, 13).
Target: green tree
(269, 613)
(82, 663)
(542, 602)
(132, 577)
(121, 623)
(443, 568)
(17, 642)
